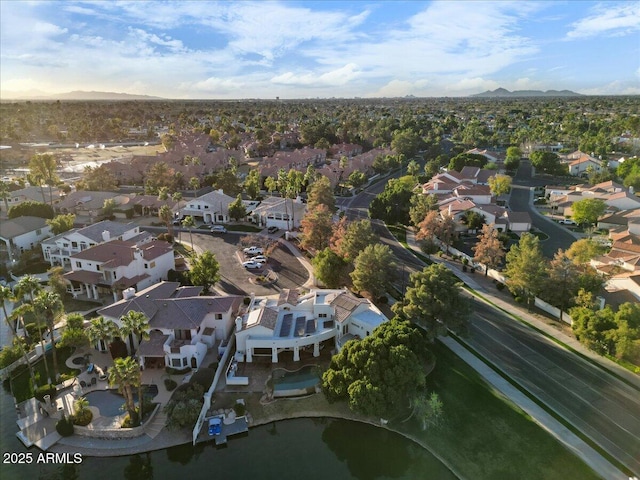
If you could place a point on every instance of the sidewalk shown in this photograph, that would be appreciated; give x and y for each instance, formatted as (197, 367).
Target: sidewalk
(484, 286)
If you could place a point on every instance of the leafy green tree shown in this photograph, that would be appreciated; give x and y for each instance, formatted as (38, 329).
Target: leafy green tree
(526, 268)
(462, 160)
(204, 270)
(393, 204)
(158, 176)
(163, 193)
(321, 193)
(413, 168)
(429, 409)
(237, 210)
(97, 179)
(356, 237)
(380, 374)
(357, 179)
(271, 184)
(512, 160)
(31, 209)
(500, 184)
(421, 205)
(595, 329)
(583, 250)
(546, 162)
(61, 223)
(108, 207)
(473, 220)
(563, 282)
(373, 269)
(49, 305)
(588, 210)
(184, 407)
(125, 373)
(329, 268)
(489, 249)
(252, 184)
(227, 180)
(434, 301)
(406, 142)
(317, 228)
(42, 168)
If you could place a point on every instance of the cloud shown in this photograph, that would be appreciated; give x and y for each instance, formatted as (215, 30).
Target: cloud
(212, 85)
(613, 88)
(338, 77)
(607, 19)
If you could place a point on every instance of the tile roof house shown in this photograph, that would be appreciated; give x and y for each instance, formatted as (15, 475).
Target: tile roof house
(112, 267)
(20, 234)
(212, 207)
(58, 250)
(183, 325)
(283, 213)
(579, 162)
(31, 194)
(298, 159)
(90, 204)
(297, 322)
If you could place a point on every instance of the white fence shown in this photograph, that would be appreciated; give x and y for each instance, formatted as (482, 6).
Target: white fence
(542, 305)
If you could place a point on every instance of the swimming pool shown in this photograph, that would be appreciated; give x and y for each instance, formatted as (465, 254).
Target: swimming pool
(300, 382)
(111, 403)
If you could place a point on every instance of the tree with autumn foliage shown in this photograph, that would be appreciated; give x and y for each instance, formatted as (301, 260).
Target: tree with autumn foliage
(489, 250)
(436, 225)
(317, 228)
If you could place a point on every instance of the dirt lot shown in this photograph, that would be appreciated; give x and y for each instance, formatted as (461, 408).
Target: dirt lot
(236, 279)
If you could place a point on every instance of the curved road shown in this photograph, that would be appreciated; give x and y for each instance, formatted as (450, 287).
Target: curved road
(604, 408)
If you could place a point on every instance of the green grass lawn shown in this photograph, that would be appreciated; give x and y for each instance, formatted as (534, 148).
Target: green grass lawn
(243, 228)
(484, 437)
(20, 383)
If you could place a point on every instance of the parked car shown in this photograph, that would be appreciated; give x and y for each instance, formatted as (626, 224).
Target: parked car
(259, 258)
(177, 221)
(215, 426)
(567, 221)
(253, 250)
(272, 229)
(251, 265)
(218, 229)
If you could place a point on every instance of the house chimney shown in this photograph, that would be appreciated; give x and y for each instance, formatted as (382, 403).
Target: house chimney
(238, 324)
(129, 293)
(106, 235)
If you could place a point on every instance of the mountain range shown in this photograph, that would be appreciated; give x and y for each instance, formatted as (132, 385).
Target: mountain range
(503, 92)
(75, 95)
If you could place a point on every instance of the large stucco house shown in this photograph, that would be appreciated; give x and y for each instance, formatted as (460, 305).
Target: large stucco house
(20, 234)
(183, 325)
(113, 267)
(293, 322)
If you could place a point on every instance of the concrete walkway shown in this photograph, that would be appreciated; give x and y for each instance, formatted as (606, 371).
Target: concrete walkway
(571, 441)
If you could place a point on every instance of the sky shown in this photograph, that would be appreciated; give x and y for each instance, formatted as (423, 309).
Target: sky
(323, 49)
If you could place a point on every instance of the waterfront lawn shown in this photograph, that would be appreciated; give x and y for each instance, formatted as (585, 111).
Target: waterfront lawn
(485, 437)
(20, 383)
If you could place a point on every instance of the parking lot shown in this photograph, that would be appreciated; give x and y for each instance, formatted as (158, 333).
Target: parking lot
(236, 279)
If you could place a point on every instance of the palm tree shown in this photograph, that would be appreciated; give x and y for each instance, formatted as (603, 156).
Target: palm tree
(125, 373)
(50, 305)
(102, 330)
(4, 195)
(189, 222)
(135, 324)
(166, 215)
(7, 295)
(43, 168)
(28, 285)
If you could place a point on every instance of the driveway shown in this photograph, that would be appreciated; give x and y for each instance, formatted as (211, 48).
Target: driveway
(236, 280)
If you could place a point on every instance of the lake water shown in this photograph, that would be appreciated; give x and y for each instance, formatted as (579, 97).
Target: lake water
(306, 449)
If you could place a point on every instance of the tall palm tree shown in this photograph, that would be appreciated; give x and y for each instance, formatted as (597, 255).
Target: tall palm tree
(50, 306)
(166, 216)
(43, 168)
(28, 285)
(7, 295)
(135, 324)
(189, 222)
(102, 330)
(125, 373)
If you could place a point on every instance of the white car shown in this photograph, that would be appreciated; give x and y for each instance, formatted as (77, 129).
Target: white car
(259, 258)
(218, 229)
(567, 221)
(252, 265)
(253, 251)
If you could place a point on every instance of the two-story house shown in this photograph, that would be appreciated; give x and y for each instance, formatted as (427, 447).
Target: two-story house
(112, 267)
(294, 323)
(183, 325)
(23, 233)
(212, 207)
(59, 249)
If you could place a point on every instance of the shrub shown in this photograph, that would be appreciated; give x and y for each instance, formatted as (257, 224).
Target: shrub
(65, 426)
(128, 423)
(465, 261)
(177, 371)
(240, 409)
(49, 389)
(500, 286)
(82, 418)
(170, 384)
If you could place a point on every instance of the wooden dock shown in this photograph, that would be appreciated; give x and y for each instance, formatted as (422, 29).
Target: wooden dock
(238, 427)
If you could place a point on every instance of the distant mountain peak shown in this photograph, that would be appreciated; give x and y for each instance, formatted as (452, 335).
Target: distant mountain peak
(76, 95)
(503, 92)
